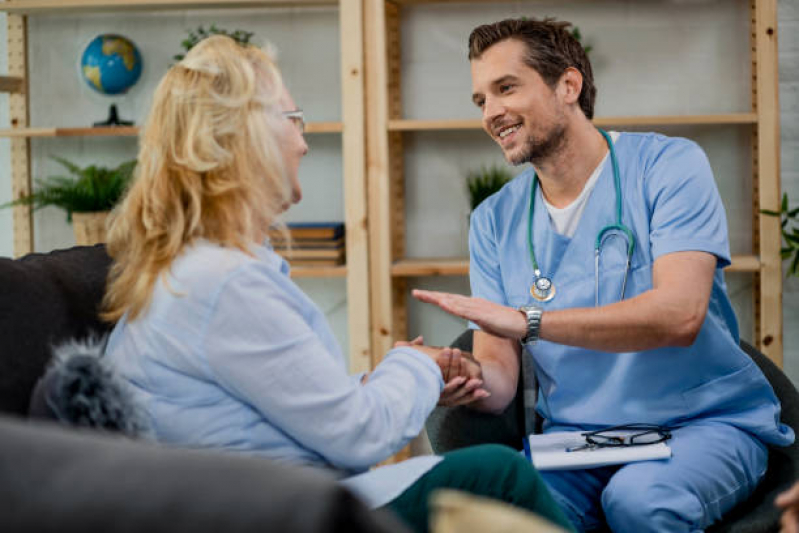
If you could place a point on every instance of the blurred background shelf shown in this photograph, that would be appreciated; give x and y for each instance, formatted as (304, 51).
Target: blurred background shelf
(602, 122)
(458, 266)
(33, 7)
(131, 131)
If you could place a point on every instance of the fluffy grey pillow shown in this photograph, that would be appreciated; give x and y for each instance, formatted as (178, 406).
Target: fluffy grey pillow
(80, 388)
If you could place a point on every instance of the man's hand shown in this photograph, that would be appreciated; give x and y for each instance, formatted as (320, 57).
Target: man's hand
(789, 502)
(492, 318)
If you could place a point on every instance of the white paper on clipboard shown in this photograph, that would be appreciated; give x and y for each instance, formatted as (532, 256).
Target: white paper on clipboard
(549, 452)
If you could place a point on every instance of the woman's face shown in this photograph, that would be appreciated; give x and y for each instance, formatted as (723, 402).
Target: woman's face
(292, 145)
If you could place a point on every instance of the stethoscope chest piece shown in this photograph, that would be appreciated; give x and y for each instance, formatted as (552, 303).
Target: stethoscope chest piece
(542, 289)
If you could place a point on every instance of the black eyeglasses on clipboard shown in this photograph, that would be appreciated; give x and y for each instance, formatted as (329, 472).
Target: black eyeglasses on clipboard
(633, 435)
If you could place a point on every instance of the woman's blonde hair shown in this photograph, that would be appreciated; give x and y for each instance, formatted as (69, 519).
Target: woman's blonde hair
(209, 167)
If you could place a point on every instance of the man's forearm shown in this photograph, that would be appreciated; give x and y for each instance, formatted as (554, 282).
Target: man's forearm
(645, 322)
(499, 368)
(495, 382)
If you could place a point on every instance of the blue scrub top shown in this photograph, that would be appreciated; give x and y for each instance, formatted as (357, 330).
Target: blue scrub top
(671, 204)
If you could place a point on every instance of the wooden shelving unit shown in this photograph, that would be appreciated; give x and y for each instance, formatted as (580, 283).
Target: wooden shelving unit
(132, 131)
(319, 272)
(390, 269)
(351, 129)
(457, 266)
(34, 7)
(601, 122)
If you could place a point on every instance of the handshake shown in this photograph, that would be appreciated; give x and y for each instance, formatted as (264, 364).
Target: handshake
(462, 373)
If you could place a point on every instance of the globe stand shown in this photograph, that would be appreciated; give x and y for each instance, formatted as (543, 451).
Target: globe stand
(113, 119)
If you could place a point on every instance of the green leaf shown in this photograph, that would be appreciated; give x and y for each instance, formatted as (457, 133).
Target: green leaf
(784, 202)
(195, 36)
(93, 188)
(791, 239)
(485, 182)
(770, 213)
(792, 270)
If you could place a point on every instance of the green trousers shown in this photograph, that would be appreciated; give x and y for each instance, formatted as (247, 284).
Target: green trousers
(488, 470)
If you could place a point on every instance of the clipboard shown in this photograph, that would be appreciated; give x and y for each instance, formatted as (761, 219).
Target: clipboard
(551, 452)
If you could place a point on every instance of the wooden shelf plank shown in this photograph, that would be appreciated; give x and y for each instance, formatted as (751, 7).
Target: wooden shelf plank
(122, 131)
(324, 127)
(11, 84)
(31, 7)
(446, 266)
(460, 266)
(319, 272)
(654, 120)
(744, 263)
(130, 131)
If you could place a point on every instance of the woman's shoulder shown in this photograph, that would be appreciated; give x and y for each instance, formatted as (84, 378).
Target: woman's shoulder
(205, 266)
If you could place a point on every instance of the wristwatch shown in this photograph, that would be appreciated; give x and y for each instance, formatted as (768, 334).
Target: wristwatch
(533, 314)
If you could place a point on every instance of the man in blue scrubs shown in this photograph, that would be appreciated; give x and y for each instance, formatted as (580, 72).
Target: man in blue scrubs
(652, 338)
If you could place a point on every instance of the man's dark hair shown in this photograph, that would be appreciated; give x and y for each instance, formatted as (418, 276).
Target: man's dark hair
(551, 49)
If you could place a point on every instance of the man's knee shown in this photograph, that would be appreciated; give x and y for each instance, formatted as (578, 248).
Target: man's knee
(638, 506)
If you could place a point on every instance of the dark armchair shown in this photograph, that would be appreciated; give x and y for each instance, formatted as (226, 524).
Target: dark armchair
(456, 427)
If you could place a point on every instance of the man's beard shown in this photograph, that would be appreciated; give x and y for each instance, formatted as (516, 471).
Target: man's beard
(537, 150)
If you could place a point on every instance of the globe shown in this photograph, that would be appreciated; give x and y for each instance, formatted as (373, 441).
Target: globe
(111, 64)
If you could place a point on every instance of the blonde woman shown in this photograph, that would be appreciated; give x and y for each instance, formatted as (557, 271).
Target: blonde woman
(220, 348)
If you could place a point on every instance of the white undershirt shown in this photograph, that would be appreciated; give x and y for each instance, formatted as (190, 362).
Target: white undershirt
(566, 219)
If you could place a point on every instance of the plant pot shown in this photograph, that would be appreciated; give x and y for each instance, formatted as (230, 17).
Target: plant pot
(89, 227)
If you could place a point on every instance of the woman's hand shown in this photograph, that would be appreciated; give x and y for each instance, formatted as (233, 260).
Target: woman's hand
(789, 502)
(418, 341)
(462, 374)
(467, 384)
(492, 318)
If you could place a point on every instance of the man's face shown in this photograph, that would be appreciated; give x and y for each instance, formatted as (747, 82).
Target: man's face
(520, 111)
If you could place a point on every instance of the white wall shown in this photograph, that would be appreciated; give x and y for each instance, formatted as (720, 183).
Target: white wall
(789, 116)
(635, 46)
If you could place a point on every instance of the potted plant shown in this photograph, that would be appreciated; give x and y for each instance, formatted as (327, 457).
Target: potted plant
(195, 36)
(87, 197)
(485, 182)
(790, 233)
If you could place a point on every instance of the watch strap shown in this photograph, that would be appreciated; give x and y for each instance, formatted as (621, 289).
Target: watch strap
(533, 315)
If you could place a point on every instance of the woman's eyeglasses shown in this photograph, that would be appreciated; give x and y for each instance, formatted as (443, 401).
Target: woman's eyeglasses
(297, 117)
(624, 436)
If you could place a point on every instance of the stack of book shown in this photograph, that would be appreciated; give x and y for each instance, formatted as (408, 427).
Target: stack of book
(312, 244)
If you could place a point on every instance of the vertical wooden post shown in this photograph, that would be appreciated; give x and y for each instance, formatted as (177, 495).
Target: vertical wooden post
(767, 177)
(396, 157)
(20, 147)
(354, 156)
(380, 203)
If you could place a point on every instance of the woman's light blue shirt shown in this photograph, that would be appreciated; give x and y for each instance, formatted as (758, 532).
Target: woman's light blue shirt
(671, 204)
(232, 355)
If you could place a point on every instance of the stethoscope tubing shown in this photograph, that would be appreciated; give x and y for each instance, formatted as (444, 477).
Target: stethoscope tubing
(617, 229)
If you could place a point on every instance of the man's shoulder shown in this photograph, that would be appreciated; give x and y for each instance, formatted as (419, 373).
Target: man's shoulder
(652, 146)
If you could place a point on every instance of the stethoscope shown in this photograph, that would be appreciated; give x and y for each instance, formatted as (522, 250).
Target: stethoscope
(543, 289)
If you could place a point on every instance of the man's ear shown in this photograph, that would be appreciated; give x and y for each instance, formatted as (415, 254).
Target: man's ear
(570, 85)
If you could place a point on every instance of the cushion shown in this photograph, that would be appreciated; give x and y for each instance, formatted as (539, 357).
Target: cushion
(44, 300)
(56, 479)
(80, 388)
(460, 512)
